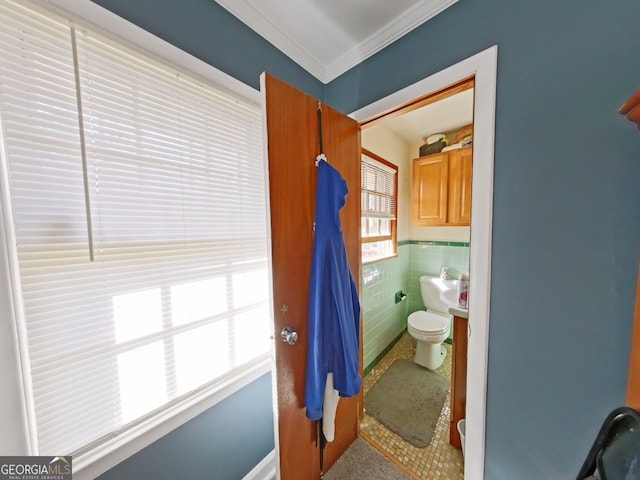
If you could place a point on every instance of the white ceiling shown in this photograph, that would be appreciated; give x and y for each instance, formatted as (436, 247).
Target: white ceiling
(443, 116)
(328, 37)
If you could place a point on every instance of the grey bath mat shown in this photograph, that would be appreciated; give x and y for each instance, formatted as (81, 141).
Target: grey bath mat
(363, 462)
(408, 399)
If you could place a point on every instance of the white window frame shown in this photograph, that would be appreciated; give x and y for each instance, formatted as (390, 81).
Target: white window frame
(14, 401)
(382, 164)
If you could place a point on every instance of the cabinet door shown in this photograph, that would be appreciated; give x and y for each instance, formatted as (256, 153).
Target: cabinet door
(458, 398)
(430, 184)
(460, 167)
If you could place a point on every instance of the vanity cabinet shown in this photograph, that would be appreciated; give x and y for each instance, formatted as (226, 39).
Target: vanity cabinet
(441, 192)
(458, 397)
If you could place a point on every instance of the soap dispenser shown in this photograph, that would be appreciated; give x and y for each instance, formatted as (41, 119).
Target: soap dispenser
(463, 291)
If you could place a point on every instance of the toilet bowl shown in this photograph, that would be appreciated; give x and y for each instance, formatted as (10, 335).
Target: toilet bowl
(430, 328)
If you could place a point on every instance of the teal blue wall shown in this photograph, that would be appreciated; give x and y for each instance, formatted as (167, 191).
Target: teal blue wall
(207, 31)
(223, 443)
(566, 224)
(566, 230)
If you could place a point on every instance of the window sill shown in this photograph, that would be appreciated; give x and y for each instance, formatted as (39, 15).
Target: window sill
(378, 259)
(94, 463)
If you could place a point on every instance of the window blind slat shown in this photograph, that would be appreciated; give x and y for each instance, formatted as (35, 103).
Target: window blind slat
(177, 295)
(378, 189)
(378, 200)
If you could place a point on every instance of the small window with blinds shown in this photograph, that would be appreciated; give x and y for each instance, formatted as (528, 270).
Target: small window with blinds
(137, 231)
(379, 204)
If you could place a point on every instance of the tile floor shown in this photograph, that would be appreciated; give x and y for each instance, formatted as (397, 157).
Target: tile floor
(438, 461)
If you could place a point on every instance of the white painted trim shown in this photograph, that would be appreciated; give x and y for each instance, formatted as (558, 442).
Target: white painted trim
(273, 34)
(265, 470)
(14, 402)
(484, 66)
(267, 199)
(398, 27)
(389, 33)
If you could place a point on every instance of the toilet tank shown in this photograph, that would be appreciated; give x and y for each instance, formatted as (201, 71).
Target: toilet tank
(430, 289)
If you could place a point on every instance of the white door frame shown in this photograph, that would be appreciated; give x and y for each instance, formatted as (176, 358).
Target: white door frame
(484, 66)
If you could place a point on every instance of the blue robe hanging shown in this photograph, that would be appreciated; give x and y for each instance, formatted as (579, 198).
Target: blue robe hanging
(334, 309)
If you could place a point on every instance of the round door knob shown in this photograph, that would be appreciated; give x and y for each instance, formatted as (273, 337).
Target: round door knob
(288, 335)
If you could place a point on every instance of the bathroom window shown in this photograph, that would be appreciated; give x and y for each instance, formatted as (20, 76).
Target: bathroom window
(136, 231)
(379, 200)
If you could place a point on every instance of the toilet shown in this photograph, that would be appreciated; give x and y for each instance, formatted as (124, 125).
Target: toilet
(431, 327)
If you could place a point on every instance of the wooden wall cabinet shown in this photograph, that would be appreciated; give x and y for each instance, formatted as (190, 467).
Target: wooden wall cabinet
(441, 193)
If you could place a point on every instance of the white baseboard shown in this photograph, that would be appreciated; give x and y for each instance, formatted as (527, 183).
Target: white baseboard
(265, 470)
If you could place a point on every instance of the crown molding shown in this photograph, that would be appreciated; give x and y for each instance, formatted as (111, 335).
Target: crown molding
(247, 14)
(388, 34)
(395, 29)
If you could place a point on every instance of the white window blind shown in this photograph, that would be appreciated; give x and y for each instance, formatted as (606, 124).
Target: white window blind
(160, 178)
(379, 194)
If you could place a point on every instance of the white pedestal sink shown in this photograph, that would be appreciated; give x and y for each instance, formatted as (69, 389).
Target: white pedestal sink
(450, 297)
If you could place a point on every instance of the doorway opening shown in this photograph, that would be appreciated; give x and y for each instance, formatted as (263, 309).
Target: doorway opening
(482, 67)
(429, 141)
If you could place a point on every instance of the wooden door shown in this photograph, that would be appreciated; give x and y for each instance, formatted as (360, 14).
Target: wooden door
(460, 168)
(429, 192)
(633, 386)
(293, 143)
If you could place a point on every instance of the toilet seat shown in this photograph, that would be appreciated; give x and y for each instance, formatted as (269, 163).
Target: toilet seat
(428, 323)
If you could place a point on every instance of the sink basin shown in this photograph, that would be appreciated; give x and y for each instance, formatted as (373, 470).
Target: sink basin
(450, 297)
